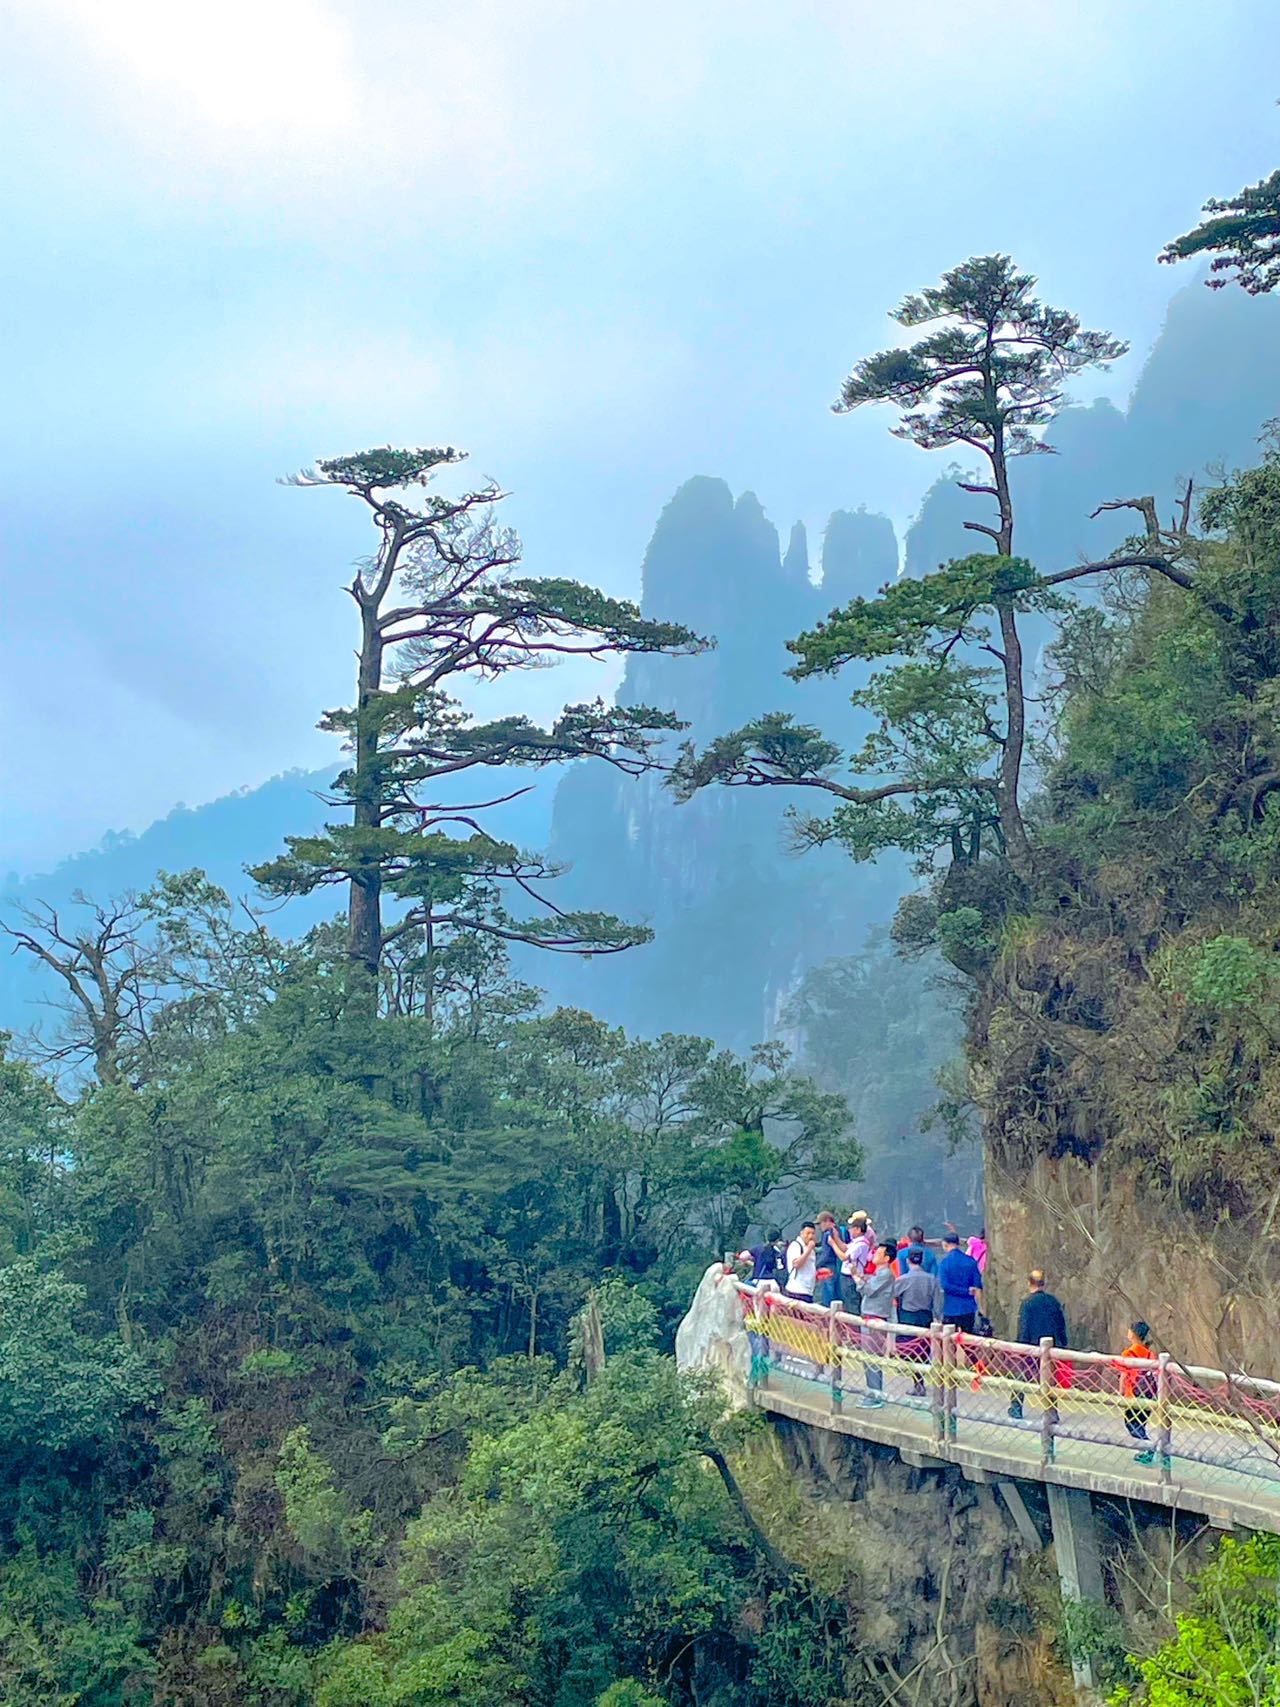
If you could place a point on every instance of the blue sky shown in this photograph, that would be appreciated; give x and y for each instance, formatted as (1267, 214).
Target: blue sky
(604, 247)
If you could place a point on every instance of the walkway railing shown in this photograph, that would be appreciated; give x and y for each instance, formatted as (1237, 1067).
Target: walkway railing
(1034, 1404)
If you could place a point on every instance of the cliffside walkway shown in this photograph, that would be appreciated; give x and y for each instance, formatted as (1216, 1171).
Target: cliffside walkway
(1003, 1411)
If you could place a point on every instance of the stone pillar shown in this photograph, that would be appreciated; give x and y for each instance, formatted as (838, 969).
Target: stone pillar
(1075, 1545)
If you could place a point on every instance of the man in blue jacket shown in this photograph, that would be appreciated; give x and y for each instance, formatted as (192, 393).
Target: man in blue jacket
(961, 1281)
(915, 1242)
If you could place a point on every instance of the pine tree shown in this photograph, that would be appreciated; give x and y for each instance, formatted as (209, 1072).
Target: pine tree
(442, 603)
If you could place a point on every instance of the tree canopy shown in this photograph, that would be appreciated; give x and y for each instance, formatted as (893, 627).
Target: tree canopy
(1242, 234)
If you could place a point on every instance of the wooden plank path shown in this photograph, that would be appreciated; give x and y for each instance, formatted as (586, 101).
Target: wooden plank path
(1213, 1437)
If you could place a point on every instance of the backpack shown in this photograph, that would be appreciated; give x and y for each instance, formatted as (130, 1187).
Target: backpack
(772, 1264)
(1148, 1384)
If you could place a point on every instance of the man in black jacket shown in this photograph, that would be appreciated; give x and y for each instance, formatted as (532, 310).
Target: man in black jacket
(1041, 1317)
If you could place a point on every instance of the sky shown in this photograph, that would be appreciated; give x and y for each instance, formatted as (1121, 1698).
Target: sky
(602, 247)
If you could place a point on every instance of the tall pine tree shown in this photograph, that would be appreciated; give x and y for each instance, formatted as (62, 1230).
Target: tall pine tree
(442, 603)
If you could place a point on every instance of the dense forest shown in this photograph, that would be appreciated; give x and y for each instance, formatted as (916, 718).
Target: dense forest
(340, 1269)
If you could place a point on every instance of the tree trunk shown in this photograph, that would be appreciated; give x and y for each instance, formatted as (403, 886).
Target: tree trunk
(364, 937)
(1017, 847)
(779, 1566)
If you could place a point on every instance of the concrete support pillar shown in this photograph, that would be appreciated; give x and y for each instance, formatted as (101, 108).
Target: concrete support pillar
(1075, 1546)
(1020, 1515)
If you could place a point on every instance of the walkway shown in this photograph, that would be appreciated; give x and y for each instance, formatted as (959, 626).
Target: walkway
(1214, 1438)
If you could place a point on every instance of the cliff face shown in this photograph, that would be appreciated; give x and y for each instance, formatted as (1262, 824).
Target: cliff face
(738, 918)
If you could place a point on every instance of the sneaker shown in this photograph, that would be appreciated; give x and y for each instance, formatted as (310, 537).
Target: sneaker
(872, 1402)
(1145, 1457)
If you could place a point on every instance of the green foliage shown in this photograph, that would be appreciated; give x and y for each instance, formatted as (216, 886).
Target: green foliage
(1224, 1649)
(628, 1693)
(32, 1172)
(60, 1386)
(1226, 973)
(584, 1547)
(941, 771)
(440, 604)
(1243, 236)
(1094, 1631)
(285, 1322)
(319, 1517)
(917, 615)
(58, 1651)
(629, 1319)
(996, 365)
(963, 938)
(372, 470)
(1128, 1009)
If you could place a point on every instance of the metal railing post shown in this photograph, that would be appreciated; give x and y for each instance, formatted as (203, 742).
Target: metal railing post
(937, 1378)
(767, 1292)
(949, 1377)
(833, 1344)
(1048, 1412)
(1163, 1419)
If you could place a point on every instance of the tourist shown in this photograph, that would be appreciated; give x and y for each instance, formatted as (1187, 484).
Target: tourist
(918, 1297)
(831, 1251)
(961, 1281)
(917, 1293)
(1139, 1387)
(978, 1251)
(857, 1257)
(802, 1262)
(877, 1306)
(768, 1261)
(915, 1242)
(1040, 1317)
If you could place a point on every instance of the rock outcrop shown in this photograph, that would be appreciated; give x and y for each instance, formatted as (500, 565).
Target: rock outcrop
(712, 1336)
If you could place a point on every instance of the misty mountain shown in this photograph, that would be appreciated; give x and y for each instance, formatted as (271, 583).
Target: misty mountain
(220, 838)
(737, 917)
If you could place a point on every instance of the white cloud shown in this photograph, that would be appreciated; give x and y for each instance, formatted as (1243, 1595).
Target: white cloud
(377, 112)
(257, 72)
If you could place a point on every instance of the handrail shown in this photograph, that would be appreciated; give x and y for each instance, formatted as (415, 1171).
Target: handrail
(1062, 1354)
(1033, 1402)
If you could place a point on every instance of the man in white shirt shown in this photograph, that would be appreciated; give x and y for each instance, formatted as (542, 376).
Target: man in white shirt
(802, 1264)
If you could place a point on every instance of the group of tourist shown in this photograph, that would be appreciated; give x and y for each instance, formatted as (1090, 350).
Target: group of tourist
(908, 1282)
(873, 1276)
(879, 1279)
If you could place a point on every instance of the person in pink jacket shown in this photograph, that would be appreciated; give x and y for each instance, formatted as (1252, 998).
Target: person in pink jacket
(978, 1250)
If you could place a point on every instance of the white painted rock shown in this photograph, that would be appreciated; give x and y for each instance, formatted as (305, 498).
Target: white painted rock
(712, 1335)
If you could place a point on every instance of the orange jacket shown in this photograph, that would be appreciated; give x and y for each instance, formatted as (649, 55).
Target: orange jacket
(1129, 1378)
